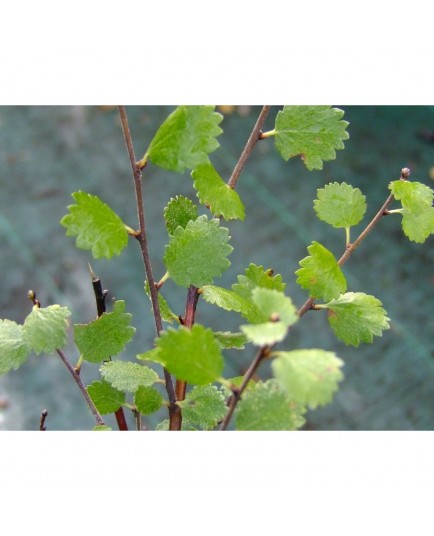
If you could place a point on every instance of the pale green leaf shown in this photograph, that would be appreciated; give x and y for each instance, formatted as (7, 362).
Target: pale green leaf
(277, 314)
(313, 132)
(96, 226)
(309, 377)
(417, 212)
(340, 205)
(14, 349)
(185, 138)
(178, 213)
(163, 426)
(197, 254)
(256, 276)
(106, 336)
(266, 407)
(414, 196)
(204, 406)
(356, 317)
(45, 328)
(152, 355)
(418, 226)
(127, 376)
(192, 355)
(321, 274)
(216, 194)
(226, 339)
(106, 398)
(102, 428)
(147, 399)
(229, 300)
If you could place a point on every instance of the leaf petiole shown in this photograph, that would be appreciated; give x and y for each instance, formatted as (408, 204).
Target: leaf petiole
(268, 134)
(347, 235)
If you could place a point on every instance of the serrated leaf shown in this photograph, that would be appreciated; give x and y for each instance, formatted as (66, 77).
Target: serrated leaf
(106, 398)
(277, 314)
(14, 349)
(229, 300)
(226, 339)
(340, 205)
(185, 138)
(417, 211)
(204, 406)
(96, 226)
(44, 329)
(309, 377)
(418, 226)
(152, 355)
(192, 355)
(255, 276)
(197, 254)
(214, 192)
(314, 132)
(106, 336)
(166, 312)
(178, 213)
(147, 400)
(414, 196)
(163, 426)
(356, 317)
(321, 274)
(128, 376)
(265, 407)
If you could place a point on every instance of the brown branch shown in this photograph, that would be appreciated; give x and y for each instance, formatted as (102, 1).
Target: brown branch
(42, 421)
(251, 142)
(142, 238)
(82, 387)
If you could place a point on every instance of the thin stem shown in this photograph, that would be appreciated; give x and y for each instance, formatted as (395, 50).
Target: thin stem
(251, 142)
(83, 390)
(260, 355)
(142, 238)
(42, 421)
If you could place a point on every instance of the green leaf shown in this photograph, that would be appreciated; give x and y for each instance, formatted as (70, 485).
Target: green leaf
(229, 300)
(197, 254)
(96, 226)
(256, 276)
(45, 328)
(277, 314)
(14, 349)
(214, 192)
(340, 205)
(106, 398)
(356, 317)
(152, 355)
(163, 426)
(414, 196)
(314, 132)
(417, 211)
(102, 428)
(192, 355)
(321, 274)
(226, 339)
(127, 376)
(204, 406)
(265, 407)
(418, 226)
(185, 138)
(106, 336)
(147, 400)
(166, 312)
(309, 377)
(178, 213)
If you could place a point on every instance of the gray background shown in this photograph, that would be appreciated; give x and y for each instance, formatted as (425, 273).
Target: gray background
(46, 153)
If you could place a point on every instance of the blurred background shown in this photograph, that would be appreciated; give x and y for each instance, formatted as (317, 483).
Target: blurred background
(46, 153)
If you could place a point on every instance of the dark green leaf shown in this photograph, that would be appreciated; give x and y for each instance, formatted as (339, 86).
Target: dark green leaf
(178, 213)
(147, 400)
(204, 406)
(106, 398)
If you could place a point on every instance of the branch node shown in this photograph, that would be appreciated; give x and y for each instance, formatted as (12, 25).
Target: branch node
(405, 173)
